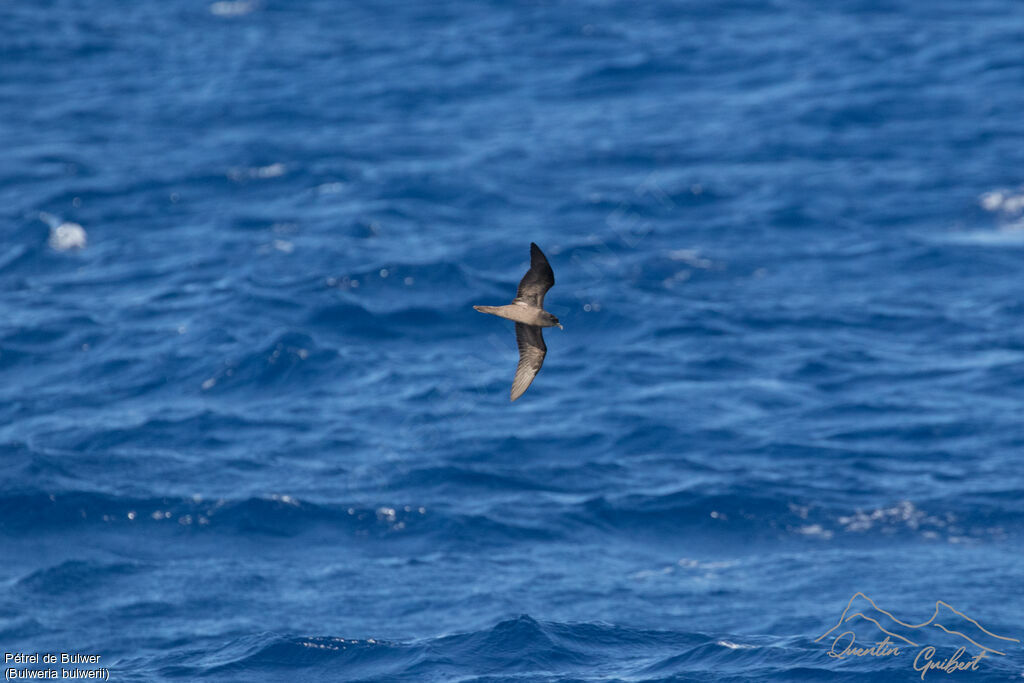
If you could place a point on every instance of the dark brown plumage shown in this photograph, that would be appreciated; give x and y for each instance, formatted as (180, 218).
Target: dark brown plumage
(527, 310)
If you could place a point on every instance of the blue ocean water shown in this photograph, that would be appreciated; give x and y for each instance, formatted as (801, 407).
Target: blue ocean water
(254, 430)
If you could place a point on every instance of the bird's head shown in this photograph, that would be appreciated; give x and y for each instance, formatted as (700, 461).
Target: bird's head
(552, 321)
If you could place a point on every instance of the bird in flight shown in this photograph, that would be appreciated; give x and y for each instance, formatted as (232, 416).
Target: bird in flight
(527, 310)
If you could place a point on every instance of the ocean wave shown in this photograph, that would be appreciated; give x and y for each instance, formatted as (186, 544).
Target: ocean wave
(522, 648)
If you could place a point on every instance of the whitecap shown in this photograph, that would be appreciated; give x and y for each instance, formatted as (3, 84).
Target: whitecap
(240, 174)
(815, 531)
(691, 257)
(1005, 201)
(735, 646)
(67, 236)
(270, 171)
(232, 8)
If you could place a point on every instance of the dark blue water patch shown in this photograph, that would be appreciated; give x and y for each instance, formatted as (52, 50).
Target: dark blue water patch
(145, 610)
(76, 577)
(350, 317)
(21, 628)
(456, 478)
(12, 358)
(205, 430)
(55, 336)
(646, 438)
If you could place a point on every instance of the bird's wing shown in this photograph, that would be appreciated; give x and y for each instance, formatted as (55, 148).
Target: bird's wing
(531, 356)
(538, 279)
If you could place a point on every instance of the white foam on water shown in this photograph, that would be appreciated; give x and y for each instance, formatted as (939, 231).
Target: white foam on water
(240, 173)
(67, 236)
(1005, 201)
(232, 8)
(815, 531)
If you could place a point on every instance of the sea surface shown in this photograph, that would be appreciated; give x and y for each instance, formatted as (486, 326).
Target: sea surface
(251, 427)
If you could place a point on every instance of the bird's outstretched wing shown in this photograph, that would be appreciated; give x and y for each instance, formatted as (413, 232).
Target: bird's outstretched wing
(537, 281)
(531, 356)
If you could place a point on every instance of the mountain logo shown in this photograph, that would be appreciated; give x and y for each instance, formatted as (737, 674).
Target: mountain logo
(948, 627)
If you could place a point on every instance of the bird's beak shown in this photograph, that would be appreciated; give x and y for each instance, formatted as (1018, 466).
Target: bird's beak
(560, 326)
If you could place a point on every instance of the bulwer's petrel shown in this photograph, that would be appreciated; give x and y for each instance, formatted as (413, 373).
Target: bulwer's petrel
(527, 310)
